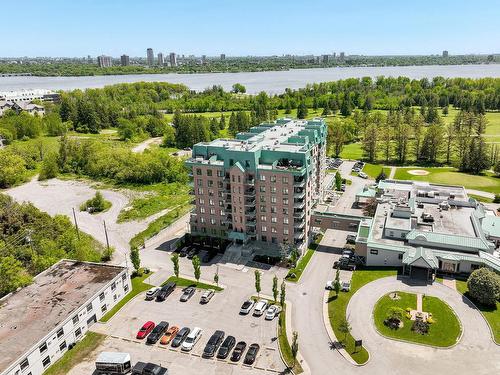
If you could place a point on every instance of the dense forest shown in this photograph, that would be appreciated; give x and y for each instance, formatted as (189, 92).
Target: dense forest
(32, 240)
(236, 64)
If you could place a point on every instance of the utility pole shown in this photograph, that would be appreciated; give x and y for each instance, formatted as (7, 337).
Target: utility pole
(106, 233)
(76, 224)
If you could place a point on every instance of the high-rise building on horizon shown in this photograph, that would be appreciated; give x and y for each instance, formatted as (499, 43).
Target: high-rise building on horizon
(222, 56)
(104, 61)
(150, 56)
(342, 55)
(325, 59)
(125, 60)
(261, 186)
(161, 62)
(203, 59)
(445, 53)
(173, 59)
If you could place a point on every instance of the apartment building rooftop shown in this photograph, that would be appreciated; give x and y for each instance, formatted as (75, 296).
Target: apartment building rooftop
(31, 313)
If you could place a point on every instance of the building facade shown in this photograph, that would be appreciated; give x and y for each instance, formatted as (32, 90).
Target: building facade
(150, 57)
(125, 60)
(160, 59)
(173, 59)
(260, 187)
(104, 61)
(40, 322)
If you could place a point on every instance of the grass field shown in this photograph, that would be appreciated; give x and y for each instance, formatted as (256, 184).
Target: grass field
(352, 151)
(183, 283)
(138, 286)
(78, 354)
(444, 332)
(373, 170)
(450, 176)
(337, 306)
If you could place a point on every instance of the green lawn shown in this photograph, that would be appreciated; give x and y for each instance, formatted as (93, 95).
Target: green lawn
(286, 350)
(444, 332)
(480, 198)
(182, 283)
(337, 306)
(138, 286)
(450, 176)
(79, 353)
(352, 151)
(491, 314)
(373, 170)
(302, 264)
(159, 224)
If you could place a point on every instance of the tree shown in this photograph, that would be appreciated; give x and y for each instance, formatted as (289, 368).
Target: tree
(338, 181)
(445, 111)
(257, 282)
(50, 168)
(370, 207)
(239, 88)
(386, 141)
(381, 176)
(275, 288)
(344, 327)
(196, 267)
(484, 286)
(294, 255)
(337, 135)
(432, 143)
(283, 293)
(302, 110)
(216, 276)
(336, 284)
(12, 169)
(12, 275)
(135, 259)
(295, 346)
(326, 110)
(175, 260)
(370, 142)
(346, 107)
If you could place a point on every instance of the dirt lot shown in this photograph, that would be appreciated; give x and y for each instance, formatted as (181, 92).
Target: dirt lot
(220, 313)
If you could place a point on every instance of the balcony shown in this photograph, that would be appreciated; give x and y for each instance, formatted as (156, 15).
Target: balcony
(229, 206)
(250, 214)
(250, 203)
(250, 182)
(300, 224)
(299, 214)
(299, 236)
(250, 192)
(299, 194)
(252, 223)
(300, 204)
(299, 182)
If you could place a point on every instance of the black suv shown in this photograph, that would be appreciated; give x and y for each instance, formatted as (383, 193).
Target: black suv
(165, 291)
(226, 347)
(157, 333)
(180, 337)
(344, 264)
(213, 344)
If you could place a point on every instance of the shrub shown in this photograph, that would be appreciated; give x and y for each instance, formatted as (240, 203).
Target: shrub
(484, 286)
(497, 198)
(96, 204)
(420, 327)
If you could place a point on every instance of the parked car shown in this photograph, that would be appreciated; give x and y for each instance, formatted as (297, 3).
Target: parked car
(183, 252)
(362, 175)
(357, 170)
(347, 253)
(191, 339)
(207, 296)
(208, 256)
(169, 335)
(260, 307)
(345, 286)
(238, 351)
(213, 344)
(330, 285)
(272, 311)
(157, 333)
(191, 253)
(247, 307)
(226, 347)
(165, 291)
(351, 238)
(151, 293)
(187, 294)
(251, 354)
(342, 187)
(143, 368)
(180, 337)
(145, 330)
(344, 265)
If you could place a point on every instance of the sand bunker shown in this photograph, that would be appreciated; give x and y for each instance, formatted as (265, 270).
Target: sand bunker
(418, 172)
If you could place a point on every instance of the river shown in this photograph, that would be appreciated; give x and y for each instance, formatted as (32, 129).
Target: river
(271, 82)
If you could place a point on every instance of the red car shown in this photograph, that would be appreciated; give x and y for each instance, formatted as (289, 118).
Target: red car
(145, 330)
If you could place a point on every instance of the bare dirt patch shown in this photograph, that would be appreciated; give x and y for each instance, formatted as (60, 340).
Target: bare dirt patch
(418, 172)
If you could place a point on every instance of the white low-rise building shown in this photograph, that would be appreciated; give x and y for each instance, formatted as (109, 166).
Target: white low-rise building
(39, 322)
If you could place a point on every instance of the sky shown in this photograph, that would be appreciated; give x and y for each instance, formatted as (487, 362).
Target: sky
(248, 27)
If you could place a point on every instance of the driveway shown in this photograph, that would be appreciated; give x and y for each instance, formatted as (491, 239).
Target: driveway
(346, 200)
(476, 353)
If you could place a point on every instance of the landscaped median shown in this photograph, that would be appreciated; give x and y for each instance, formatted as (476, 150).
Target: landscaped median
(337, 306)
(77, 354)
(286, 350)
(295, 273)
(138, 286)
(183, 283)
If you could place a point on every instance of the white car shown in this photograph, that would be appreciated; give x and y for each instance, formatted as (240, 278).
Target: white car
(362, 175)
(356, 170)
(151, 293)
(330, 285)
(207, 296)
(272, 311)
(260, 307)
(191, 339)
(247, 307)
(345, 286)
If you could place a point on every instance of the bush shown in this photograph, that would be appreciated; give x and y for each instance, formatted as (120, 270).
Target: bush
(484, 286)
(96, 204)
(50, 168)
(420, 327)
(497, 198)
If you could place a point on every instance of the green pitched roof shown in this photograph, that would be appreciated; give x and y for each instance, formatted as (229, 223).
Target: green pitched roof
(441, 239)
(420, 257)
(491, 225)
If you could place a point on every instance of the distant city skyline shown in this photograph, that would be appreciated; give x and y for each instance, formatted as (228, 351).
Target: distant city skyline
(212, 28)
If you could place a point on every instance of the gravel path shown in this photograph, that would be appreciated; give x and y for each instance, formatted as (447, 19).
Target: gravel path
(148, 142)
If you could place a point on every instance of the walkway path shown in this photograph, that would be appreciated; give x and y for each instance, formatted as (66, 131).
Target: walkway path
(419, 302)
(481, 193)
(450, 283)
(475, 353)
(393, 172)
(148, 142)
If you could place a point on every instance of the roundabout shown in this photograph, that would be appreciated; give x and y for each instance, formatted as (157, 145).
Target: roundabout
(465, 346)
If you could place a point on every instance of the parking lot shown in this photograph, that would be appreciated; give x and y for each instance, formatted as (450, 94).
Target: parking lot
(221, 313)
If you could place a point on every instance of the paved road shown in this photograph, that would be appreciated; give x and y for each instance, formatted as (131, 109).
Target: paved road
(345, 202)
(476, 353)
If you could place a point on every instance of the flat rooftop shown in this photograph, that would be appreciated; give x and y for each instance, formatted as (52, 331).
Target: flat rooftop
(30, 314)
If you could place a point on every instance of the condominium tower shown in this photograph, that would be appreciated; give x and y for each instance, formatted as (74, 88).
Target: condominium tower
(150, 56)
(125, 60)
(260, 187)
(104, 61)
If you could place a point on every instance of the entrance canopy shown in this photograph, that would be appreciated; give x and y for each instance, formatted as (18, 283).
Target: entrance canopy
(420, 257)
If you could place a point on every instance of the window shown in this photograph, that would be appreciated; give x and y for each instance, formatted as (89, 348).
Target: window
(200, 191)
(202, 210)
(273, 199)
(211, 202)
(263, 218)
(24, 364)
(263, 238)
(274, 219)
(273, 178)
(60, 332)
(264, 228)
(273, 209)
(285, 180)
(273, 189)
(46, 362)
(239, 179)
(209, 172)
(202, 220)
(285, 200)
(285, 220)
(285, 211)
(262, 198)
(212, 221)
(262, 189)
(262, 177)
(400, 256)
(262, 208)
(104, 308)
(199, 182)
(114, 297)
(62, 346)
(212, 211)
(220, 173)
(285, 231)
(78, 332)
(101, 297)
(124, 277)
(285, 191)
(43, 348)
(201, 201)
(113, 286)
(273, 229)
(373, 252)
(222, 213)
(125, 288)
(75, 318)
(198, 171)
